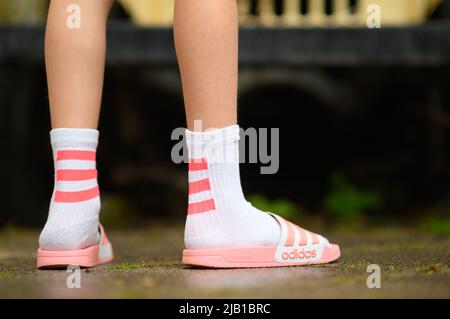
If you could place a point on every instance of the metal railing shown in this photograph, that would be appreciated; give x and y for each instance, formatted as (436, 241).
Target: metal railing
(297, 13)
(269, 13)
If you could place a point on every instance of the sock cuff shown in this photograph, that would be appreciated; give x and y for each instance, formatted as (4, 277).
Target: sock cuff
(218, 146)
(74, 137)
(227, 134)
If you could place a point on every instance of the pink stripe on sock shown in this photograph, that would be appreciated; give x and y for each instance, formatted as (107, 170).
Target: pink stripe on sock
(291, 234)
(75, 174)
(198, 164)
(199, 186)
(75, 155)
(74, 197)
(201, 207)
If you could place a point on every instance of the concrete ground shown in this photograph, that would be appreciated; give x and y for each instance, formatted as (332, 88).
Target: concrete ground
(147, 265)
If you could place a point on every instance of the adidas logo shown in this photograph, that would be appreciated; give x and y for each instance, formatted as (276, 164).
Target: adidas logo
(302, 254)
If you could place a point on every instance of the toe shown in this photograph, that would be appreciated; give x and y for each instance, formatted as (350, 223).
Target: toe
(331, 252)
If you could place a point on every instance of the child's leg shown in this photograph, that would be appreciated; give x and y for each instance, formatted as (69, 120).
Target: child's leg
(220, 221)
(75, 61)
(75, 64)
(206, 37)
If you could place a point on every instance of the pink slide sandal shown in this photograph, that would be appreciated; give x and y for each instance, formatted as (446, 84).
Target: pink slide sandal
(87, 257)
(296, 247)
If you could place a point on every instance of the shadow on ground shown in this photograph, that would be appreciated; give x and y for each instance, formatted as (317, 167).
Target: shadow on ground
(147, 265)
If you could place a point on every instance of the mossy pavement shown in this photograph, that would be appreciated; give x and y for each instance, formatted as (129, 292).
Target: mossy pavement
(147, 265)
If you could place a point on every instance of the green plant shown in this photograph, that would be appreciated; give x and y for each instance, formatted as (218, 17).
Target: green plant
(118, 210)
(282, 207)
(436, 225)
(345, 201)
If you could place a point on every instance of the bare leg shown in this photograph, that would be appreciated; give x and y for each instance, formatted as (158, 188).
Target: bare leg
(75, 61)
(206, 39)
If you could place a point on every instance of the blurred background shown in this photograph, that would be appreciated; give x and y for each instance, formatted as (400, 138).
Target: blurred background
(363, 113)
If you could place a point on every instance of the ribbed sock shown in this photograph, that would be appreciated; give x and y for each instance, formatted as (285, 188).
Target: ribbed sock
(75, 204)
(218, 214)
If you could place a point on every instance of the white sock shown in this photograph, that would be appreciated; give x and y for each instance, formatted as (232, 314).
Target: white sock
(75, 204)
(218, 214)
